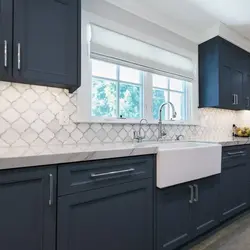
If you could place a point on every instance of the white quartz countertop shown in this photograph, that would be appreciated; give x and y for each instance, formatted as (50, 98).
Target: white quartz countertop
(16, 157)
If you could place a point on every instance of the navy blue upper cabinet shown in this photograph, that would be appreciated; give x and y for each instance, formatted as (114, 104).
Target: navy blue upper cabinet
(45, 47)
(6, 8)
(222, 75)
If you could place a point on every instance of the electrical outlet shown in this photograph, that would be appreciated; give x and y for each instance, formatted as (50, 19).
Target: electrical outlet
(64, 118)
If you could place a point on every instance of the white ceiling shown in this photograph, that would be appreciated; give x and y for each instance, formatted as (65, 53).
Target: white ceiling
(190, 18)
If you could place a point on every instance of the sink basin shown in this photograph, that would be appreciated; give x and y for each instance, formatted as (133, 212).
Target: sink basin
(181, 162)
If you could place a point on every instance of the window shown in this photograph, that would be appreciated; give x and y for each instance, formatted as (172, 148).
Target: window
(116, 91)
(130, 79)
(169, 89)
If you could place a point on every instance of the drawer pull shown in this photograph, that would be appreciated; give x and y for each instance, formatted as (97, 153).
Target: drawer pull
(236, 153)
(130, 170)
(51, 189)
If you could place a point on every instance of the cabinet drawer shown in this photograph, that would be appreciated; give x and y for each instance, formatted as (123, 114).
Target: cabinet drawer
(233, 156)
(82, 176)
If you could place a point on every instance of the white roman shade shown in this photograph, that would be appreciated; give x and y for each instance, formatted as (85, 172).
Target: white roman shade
(117, 48)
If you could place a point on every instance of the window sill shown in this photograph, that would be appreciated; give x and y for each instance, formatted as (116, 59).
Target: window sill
(136, 121)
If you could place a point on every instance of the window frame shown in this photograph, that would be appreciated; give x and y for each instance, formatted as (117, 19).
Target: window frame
(83, 114)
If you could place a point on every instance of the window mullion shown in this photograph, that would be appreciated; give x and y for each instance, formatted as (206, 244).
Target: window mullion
(118, 91)
(148, 96)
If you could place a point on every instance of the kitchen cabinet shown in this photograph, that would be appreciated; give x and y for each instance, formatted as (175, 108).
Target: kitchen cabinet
(234, 182)
(6, 22)
(106, 204)
(222, 74)
(205, 209)
(186, 211)
(114, 217)
(28, 208)
(45, 47)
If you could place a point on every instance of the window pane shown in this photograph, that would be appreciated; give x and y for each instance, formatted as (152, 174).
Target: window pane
(130, 75)
(160, 81)
(130, 100)
(176, 84)
(103, 69)
(104, 98)
(178, 100)
(160, 97)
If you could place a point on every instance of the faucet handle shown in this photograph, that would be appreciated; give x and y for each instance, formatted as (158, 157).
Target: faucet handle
(178, 137)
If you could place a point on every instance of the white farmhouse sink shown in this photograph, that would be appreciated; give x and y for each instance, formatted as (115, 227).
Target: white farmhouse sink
(186, 161)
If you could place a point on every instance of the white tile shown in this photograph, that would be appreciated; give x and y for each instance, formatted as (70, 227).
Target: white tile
(76, 135)
(70, 128)
(4, 85)
(47, 116)
(20, 125)
(62, 98)
(38, 106)
(20, 143)
(29, 116)
(30, 95)
(10, 136)
(62, 135)
(46, 135)
(11, 94)
(20, 105)
(55, 107)
(95, 127)
(54, 126)
(29, 136)
(39, 89)
(21, 88)
(10, 115)
(4, 104)
(89, 135)
(38, 125)
(83, 127)
(47, 97)
(4, 125)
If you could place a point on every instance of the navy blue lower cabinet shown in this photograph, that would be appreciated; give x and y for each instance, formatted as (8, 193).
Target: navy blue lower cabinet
(173, 216)
(113, 217)
(234, 189)
(205, 209)
(28, 208)
(186, 211)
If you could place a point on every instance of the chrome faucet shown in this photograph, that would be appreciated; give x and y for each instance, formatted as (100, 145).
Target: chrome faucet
(138, 135)
(161, 131)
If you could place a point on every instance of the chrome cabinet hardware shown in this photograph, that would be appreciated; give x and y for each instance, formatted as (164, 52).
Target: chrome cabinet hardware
(51, 189)
(196, 199)
(191, 194)
(19, 56)
(130, 170)
(236, 153)
(5, 53)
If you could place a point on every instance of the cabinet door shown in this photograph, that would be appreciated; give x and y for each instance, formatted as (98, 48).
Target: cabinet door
(46, 42)
(27, 218)
(205, 209)
(247, 91)
(173, 217)
(234, 190)
(6, 13)
(115, 217)
(237, 77)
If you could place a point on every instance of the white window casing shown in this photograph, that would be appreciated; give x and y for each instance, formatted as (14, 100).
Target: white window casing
(150, 56)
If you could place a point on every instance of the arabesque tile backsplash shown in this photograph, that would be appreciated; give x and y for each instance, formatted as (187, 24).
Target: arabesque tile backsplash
(30, 115)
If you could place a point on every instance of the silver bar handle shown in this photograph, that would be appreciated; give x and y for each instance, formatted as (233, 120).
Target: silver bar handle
(237, 99)
(113, 173)
(19, 56)
(234, 99)
(191, 194)
(196, 193)
(51, 189)
(248, 102)
(236, 153)
(5, 53)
